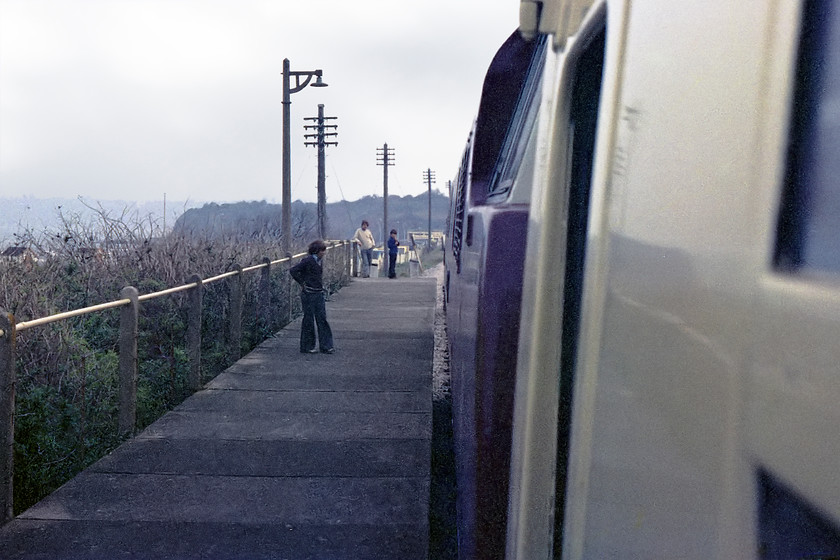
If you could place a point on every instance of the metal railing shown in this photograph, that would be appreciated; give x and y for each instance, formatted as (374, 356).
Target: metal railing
(343, 252)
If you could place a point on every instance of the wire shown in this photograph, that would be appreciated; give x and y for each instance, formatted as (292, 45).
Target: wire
(304, 168)
(344, 200)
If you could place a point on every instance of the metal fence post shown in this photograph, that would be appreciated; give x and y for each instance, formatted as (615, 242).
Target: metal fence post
(348, 261)
(194, 313)
(335, 268)
(235, 349)
(340, 260)
(128, 360)
(264, 325)
(345, 270)
(7, 414)
(326, 270)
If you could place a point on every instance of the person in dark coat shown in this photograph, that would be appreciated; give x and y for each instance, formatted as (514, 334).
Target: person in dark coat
(393, 243)
(309, 274)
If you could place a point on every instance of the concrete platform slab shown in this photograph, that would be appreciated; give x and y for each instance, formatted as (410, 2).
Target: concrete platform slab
(217, 541)
(98, 496)
(260, 424)
(307, 401)
(377, 458)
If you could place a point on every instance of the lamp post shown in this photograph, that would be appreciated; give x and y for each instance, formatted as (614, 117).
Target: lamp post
(302, 80)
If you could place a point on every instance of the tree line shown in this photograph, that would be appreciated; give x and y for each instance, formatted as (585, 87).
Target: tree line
(255, 219)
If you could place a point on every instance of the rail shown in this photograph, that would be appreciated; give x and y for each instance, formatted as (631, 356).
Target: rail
(129, 303)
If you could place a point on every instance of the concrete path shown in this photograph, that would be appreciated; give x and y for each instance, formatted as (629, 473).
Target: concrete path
(284, 455)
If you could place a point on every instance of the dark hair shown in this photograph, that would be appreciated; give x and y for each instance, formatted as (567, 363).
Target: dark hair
(393, 231)
(365, 223)
(317, 246)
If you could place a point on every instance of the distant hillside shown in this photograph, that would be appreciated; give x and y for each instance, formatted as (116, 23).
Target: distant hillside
(406, 213)
(261, 218)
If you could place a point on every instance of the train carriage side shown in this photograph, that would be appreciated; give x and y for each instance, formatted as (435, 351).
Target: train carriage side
(678, 376)
(483, 288)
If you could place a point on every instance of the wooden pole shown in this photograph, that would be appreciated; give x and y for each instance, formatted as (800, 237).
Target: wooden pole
(194, 315)
(128, 360)
(287, 295)
(264, 324)
(7, 415)
(235, 324)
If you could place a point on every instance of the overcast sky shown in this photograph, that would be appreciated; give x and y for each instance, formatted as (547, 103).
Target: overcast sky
(131, 99)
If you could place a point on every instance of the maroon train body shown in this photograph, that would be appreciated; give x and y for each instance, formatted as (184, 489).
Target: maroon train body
(485, 253)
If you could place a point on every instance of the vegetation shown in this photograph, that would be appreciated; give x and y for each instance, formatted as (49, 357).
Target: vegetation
(67, 372)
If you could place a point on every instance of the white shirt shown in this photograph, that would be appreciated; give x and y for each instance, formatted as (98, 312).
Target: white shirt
(365, 238)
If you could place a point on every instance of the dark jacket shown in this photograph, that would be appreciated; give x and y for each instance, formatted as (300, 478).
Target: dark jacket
(392, 246)
(309, 274)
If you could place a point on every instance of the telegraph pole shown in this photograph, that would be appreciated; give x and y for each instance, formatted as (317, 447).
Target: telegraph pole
(429, 178)
(385, 158)
(320, 141)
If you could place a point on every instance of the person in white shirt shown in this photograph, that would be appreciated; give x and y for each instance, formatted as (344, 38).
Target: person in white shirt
(365, 239)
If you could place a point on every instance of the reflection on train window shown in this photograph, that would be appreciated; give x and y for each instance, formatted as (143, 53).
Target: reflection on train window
(522, 124)
(809, 222)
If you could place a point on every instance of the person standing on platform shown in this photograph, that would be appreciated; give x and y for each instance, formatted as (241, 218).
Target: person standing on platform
(393, 243)
(309, 274)
(365, 238)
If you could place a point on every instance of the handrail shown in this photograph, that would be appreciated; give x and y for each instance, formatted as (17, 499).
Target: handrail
(278, 261)
(24, 325)
(222, 276)
(168, 291)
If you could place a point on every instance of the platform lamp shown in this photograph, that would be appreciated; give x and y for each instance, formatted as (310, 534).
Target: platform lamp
(302, 80)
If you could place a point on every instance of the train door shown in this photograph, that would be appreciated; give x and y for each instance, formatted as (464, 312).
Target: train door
(552, 302)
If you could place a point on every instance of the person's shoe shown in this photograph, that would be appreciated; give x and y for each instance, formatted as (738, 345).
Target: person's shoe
(328, 351)
(313, 351)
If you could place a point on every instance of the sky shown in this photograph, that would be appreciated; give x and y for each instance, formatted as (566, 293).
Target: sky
(144, 99)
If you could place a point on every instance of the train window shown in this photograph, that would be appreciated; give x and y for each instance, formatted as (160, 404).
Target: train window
(809, 221)
(501, 94)
(460, 203)
(524, 117)
(789, 527)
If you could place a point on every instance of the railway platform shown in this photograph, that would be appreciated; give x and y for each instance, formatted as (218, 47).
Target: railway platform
(283, 455)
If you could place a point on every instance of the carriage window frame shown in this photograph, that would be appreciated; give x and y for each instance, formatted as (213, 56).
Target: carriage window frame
(585, 88)
(809, 216)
